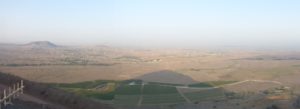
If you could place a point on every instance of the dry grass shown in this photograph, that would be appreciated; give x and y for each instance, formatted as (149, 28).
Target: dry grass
(57, 64)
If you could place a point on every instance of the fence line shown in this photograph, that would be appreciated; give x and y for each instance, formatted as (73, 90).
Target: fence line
(11, 93)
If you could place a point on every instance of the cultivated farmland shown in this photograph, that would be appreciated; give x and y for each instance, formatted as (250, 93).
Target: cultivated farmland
(203, 95)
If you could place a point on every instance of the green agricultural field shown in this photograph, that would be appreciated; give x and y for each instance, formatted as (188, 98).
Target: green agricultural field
(157, 89)
(167, 84)
(153, 93)
(205, 94)
(127, 95)
(126, 99)
(158, 94)
(202, 84)
(90, 89)
(92, 93)
(220, 83)
(163, 98)
(128, 90)
(211, 84)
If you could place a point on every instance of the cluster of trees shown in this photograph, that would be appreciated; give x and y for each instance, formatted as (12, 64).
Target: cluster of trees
(54, 95)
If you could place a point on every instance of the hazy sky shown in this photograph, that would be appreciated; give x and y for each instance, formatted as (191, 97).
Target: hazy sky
(178, 23)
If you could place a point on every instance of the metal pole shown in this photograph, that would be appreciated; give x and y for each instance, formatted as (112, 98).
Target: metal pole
(22, 86)
(18, 86)
(4, 97)
(14, 89)
(9, 93)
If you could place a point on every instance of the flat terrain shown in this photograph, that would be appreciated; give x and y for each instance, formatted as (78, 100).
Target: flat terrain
(76, 64)
(151, 77)
(136, 93)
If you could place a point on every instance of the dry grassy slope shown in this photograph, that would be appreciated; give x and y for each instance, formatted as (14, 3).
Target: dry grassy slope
(28, 102)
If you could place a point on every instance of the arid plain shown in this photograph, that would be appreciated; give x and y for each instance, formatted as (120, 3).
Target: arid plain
(256, 70)
(44, 62)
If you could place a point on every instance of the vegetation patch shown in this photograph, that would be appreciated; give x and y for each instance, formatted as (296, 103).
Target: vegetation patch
(211, 83)
(296, 65)
(92, 93)
(99, 89)
(83, 85)
(166, 84)
(202, 84)
(129, 58)
(205, 95)
(128, 90)
(220, 83)
(158, 89)
(126, 99)
(163, 98)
